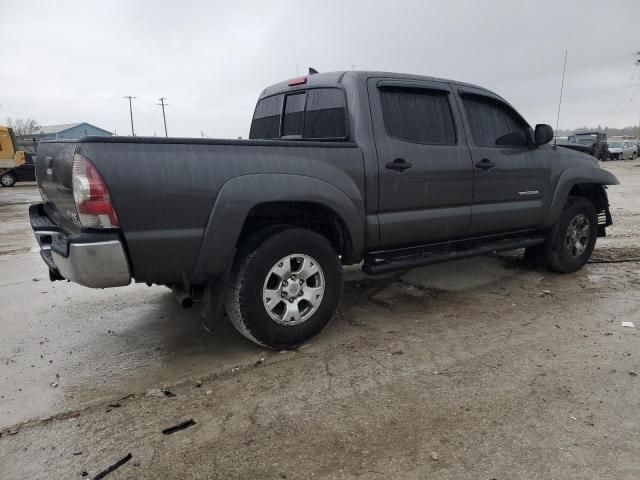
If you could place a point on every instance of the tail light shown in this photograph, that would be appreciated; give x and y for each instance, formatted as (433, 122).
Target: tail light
(91, 196)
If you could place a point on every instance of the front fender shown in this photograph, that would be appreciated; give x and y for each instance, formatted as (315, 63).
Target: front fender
(240, 194)
(568, 179)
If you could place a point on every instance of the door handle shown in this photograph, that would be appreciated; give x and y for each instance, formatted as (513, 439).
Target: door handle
(485, 164)
(399, 164)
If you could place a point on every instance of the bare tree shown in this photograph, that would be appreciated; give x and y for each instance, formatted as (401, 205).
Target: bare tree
(23, 128)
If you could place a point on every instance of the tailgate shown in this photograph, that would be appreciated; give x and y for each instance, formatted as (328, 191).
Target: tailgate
(54, 169)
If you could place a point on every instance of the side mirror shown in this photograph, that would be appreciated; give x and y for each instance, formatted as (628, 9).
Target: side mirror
(543, 134)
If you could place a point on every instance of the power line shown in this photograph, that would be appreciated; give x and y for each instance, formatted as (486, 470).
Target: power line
(636, 63)
(162, 104)
(133, 133)
(630, 100)
(580, 97)
(615, 108)
(580, 66)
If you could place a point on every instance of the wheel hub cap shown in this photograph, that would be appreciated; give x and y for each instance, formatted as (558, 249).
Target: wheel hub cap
(293, 289)
(577, 238)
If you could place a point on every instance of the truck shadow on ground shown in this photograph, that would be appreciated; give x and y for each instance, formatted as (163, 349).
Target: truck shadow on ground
(159, 343)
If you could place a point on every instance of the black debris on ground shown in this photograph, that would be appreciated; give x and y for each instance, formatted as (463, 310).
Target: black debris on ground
(178, 427)
(113, 467)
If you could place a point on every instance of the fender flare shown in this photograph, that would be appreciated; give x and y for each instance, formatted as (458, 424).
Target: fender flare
(568, 179)
(240, 194)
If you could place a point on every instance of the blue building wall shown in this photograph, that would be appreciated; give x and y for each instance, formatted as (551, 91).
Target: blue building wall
(76, 132)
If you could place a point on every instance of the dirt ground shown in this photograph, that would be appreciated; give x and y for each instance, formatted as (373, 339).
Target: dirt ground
(479, 369)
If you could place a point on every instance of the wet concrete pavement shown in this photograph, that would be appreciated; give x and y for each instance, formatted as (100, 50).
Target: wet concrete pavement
(90, 344)
(471, 363)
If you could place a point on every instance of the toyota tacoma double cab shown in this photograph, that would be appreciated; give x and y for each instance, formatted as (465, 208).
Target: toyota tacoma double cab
(389, 170)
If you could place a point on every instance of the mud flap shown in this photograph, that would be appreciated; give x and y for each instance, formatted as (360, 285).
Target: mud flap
(213, 299)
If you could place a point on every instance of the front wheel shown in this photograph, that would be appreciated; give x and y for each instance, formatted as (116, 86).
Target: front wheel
(575, 237)
(571, 242)
(8, 180)
(285, 291)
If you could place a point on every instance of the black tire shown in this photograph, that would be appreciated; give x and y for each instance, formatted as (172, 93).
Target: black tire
(8, 179)
(252, 271)
(564, 256)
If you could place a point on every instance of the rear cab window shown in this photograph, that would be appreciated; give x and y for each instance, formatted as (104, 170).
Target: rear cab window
(266, 119)
(312, 114)
(293, 115)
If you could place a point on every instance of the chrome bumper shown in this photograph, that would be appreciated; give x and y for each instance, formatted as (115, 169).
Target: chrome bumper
(95, 265)
(82, 259)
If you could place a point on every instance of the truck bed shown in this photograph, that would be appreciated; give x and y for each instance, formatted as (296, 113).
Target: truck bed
(164, 189)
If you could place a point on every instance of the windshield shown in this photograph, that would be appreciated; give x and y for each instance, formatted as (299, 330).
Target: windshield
(585, 138)
(615, 144)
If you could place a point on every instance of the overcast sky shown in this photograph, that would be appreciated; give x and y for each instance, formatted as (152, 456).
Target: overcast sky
(65, 62)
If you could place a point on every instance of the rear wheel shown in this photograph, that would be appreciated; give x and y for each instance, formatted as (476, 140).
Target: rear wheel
(286, 289)
(7, 180)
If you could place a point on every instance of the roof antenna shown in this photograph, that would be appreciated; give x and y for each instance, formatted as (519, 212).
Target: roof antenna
(564, 70)
(312, 71)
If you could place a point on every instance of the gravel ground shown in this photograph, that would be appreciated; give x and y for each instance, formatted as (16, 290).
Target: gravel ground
(476, 369)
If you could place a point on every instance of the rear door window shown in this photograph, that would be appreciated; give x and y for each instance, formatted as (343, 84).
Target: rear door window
(266, 119)
(493, 123)
(418, 115)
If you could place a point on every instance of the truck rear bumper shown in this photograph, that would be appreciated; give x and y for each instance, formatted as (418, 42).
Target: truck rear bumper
(96, 260)
(95, 265)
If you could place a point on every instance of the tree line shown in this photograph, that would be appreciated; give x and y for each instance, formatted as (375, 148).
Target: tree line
(632, 131)
(23, 127)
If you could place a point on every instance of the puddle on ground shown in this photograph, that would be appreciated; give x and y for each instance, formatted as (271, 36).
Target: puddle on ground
(466, 274)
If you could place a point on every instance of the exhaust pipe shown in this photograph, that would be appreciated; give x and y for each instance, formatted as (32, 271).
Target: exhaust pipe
(183, 297)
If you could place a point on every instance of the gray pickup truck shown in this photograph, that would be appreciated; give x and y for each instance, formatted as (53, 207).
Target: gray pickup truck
(391, 170)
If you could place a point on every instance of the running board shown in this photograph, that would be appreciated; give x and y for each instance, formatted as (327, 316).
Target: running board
(376, 265)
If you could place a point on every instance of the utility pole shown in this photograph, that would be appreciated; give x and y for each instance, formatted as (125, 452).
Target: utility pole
(637, 62)
(164, 117)
(133, 133)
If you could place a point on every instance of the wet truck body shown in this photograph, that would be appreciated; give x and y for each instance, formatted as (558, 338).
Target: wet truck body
(391, 170)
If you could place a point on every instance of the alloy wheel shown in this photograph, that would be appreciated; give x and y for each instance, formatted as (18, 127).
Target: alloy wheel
(293, 289)
(577, 237)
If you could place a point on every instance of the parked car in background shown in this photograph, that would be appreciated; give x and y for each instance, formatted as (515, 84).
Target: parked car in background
(571, 143)
(10, 157)
(621, 149)
(597, 141)
(24, 173)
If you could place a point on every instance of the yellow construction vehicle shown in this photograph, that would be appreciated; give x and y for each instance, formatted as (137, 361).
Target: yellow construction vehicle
(10, 157)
